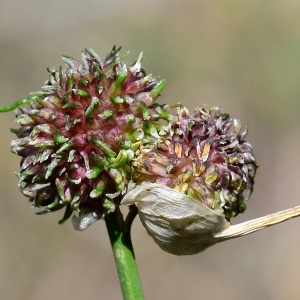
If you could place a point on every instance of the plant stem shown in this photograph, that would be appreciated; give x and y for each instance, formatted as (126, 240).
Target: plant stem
(119, 234)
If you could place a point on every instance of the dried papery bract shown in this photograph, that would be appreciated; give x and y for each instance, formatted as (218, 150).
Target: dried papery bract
(181, 225)
(178, 224)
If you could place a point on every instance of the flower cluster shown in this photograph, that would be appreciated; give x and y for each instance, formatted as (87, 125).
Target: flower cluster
(203, 156)
(94, 129)
(80, 132)
(192, 180)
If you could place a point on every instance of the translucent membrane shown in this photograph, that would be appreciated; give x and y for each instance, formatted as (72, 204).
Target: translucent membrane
(182, 226)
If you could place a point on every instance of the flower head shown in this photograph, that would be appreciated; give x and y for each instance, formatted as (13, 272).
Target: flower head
(79, 133)
(192, 180)
(203, 156)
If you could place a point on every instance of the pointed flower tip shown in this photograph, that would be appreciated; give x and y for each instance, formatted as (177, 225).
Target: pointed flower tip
(159, 87)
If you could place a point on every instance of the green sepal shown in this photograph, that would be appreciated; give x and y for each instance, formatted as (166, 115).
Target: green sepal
(44, 144)
(100, 88)
(58, 139)
(94, 172)
(98, 191)
(37, 187)
(242, 206)
(107, 114)
(71, 155)
(228, 214)
(97, 67)
(109, 151)
(65, 97)
(119, 161)
(69, 83)
(136, 134)
(211, 178)
(37, 178)
(67, 214)
(125, 145)
(158, 125)
(120, 58)
(49, 88)
(113, 52)
(64, 147)
(118, 176)
(83, 82)
(92, 53)
(73, 63)
(36, 158)
(72, 181)
(117, 85)
(44, 128)
(108, 203)
(158, 88)
(51, 167)
(81, 93)
(72, 105)
(45, 155)
(129, 100)
(24, 119)
(61, 76)
(88, 113)
(69, 125)
(54, 204)
(40, 93)
(130, 119)
(52, 71)
(163, 112)
(52, 117)
(149, 128)
(144, 110)
(117, 99)
(60, 190)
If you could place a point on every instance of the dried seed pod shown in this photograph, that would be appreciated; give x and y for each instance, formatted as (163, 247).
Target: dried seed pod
(182, 225)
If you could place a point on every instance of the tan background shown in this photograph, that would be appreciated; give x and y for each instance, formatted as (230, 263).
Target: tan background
(242, 55)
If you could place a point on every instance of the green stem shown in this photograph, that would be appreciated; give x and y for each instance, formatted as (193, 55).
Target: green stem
(119, 234)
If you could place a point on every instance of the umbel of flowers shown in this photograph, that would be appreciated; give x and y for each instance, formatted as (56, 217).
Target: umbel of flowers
(204, 156)
(79, 134)
(196, 176)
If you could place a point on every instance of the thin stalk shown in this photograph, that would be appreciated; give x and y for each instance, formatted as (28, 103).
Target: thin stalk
(238, 230)
(119, 234)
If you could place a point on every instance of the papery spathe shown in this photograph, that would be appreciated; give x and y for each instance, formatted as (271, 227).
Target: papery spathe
(181, 225)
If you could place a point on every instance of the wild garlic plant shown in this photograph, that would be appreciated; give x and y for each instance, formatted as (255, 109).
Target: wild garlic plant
(94, 138)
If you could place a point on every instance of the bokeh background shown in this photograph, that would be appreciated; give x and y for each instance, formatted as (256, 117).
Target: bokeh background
(241, 55)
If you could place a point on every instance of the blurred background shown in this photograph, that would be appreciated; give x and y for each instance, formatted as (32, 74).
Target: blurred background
(240, 55)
